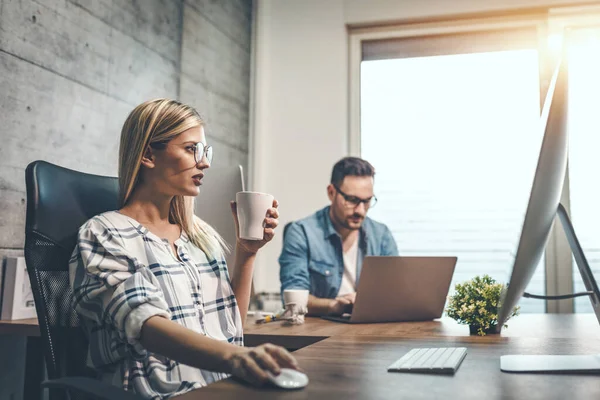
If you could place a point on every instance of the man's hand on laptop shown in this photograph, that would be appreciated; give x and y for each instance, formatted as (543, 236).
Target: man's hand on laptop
(350, 296)
(342, 304)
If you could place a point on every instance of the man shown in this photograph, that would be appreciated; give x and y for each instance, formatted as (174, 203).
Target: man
(324, 252)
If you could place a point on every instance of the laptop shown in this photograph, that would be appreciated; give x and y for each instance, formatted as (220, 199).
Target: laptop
(398, 289)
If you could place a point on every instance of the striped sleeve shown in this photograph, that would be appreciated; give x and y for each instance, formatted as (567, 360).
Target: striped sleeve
(111, 287)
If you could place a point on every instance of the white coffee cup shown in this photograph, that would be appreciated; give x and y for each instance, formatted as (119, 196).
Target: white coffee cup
(296, 305)
(299, 297)
(252, 210)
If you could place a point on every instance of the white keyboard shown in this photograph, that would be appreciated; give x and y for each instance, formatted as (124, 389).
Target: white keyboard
(440, 360)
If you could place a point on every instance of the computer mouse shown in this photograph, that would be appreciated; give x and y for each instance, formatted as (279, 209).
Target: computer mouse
(288, 379)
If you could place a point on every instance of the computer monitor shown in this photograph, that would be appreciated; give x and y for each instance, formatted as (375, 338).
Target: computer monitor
(212, 205)
(544, 205)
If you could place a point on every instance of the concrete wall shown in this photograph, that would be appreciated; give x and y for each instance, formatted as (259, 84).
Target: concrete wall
(215, 73)
(71, 71)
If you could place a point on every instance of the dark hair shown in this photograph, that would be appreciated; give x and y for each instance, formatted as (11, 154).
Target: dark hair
(350, 166)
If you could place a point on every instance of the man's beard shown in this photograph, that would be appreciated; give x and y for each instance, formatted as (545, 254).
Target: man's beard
(346, 224)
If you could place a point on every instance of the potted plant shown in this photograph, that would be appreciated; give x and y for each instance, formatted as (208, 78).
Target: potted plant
(475, 303)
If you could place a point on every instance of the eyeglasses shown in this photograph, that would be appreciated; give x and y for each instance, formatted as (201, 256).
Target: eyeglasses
(353, 201)
(200, 150)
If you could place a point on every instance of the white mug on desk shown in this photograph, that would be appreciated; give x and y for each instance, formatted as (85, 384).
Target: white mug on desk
(296, 305)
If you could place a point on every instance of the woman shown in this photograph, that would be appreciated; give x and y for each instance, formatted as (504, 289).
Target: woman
(150, 280)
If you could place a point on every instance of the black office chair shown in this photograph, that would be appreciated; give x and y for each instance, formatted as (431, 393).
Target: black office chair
(59, 201)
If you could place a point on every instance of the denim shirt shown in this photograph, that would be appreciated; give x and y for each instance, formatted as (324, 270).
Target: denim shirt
(312, 255)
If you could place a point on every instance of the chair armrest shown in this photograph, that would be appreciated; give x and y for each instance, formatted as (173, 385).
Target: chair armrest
(90, 387)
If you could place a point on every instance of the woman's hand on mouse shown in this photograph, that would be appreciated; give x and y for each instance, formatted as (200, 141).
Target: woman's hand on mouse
(252, 363)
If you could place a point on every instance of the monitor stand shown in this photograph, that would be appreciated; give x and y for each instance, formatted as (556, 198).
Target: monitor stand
(588, 364)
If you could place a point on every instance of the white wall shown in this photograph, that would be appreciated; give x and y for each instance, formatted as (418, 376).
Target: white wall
(300, 120)
(301, 95)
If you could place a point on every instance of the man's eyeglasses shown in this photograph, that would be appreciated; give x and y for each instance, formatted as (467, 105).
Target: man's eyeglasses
(353, 201)
(200, 150)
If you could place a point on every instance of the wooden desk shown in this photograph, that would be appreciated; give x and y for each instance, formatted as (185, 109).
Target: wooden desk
(316, 329)
(21, 327)
(350, 361)
(355, 367)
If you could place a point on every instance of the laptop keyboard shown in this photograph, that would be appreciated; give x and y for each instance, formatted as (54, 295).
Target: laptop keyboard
(440, 360)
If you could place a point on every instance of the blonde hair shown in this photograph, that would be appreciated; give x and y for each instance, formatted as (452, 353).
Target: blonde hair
(159, 121)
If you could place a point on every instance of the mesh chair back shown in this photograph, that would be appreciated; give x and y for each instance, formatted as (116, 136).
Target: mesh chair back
(59, 201)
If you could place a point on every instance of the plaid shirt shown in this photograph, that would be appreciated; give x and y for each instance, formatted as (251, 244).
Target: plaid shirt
(122, 274)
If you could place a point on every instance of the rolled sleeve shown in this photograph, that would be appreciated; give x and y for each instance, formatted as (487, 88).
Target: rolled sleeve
(110, 287)
(293, 261)
(135, 320)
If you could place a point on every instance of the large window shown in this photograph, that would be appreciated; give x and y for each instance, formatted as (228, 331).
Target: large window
(448, 113)
(454, 139)
(584, 160)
